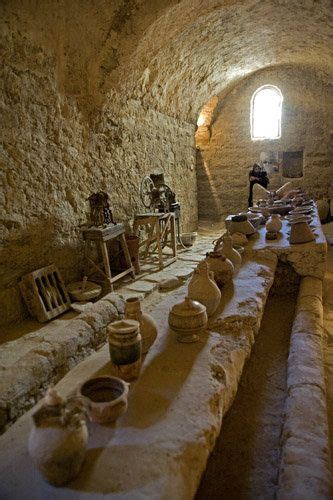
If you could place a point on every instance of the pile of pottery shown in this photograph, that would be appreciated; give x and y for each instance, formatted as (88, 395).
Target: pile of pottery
(58, 439)
(300, 221)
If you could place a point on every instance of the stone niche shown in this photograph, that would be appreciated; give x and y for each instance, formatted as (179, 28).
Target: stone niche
(224, 161)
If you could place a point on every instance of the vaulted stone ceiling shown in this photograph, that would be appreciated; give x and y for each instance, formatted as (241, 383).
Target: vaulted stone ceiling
(174, 55)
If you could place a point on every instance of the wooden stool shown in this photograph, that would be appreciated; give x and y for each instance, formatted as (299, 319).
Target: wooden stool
(159, 226)
(100, 236)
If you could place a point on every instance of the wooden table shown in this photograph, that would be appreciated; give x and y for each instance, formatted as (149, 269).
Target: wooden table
(100, 236)
(161, 232)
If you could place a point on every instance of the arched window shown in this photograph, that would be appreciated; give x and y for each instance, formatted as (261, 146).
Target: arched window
(266, 108)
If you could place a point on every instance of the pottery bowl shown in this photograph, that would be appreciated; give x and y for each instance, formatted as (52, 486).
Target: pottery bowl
(106, 398)
(188, 239)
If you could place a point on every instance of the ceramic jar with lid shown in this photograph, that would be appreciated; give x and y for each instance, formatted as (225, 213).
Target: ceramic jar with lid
(222, 267)
(125, 348)
(58, 439)
(188, 319)
(274, 224)
(148, 326)
(203, 288)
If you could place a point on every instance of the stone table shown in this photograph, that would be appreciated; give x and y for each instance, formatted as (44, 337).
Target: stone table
(159, 448)
(307, 259)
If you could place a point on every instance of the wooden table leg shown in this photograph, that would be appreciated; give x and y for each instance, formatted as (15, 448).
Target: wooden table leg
(173, 236)
(159, 245)
(126, 253)
(106, 264)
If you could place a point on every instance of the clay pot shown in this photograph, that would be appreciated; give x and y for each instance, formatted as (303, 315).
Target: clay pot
(323, 207)
(239, 239)
(241, 226)
(301, 233)
(58, 441)
(107, 398)
(148, 326)
(125, 348)
(203, 288)
(230, 252)
(222, 267)
(188, 319)
(274, 224)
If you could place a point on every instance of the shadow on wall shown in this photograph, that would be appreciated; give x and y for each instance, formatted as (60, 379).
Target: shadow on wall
(25, 249)
(208, 200)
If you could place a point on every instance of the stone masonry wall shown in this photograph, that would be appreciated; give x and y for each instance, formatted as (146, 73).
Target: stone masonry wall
(224, 161)
(52, 159)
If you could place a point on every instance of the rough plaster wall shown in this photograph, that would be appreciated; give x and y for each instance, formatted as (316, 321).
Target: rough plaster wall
(52, 160)
(224, 160)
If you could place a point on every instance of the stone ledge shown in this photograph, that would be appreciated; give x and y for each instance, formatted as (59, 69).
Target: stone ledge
(160, 447)
(46, 358)
(305, 462)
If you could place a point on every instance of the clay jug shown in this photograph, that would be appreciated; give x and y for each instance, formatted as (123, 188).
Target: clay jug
(274, 224)
(148, 326)
(58, 439)
(222, 267)
(125, 348)
(203, 288)
(230, 252)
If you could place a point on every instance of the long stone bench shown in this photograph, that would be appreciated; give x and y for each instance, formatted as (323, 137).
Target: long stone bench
(159, 448)
(305, 463)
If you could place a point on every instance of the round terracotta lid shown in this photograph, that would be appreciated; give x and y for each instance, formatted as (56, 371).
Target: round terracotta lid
(188, 307)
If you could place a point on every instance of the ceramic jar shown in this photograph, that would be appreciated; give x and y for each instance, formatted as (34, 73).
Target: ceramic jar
(300, 232)
(274, 224)
(230, 252)
(148, 326)
(188, 319)
(222, 267)
(107, 398)
(125, 348)
(241, 226)
(203, 288)
(58, 440)
(239, 239)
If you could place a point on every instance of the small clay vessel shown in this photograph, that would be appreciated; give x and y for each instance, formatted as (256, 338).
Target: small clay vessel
(239, 239)
(125, 348)
(148, 326)
(274, 224)
(241, 226)
(300, 232)
(203, 288)
(58, 439)
(188, 319)
(230, 252)
(107, 398)
(222, 267)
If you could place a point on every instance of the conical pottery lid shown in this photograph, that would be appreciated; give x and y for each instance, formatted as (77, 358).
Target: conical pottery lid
(188, 307)
(301, 233)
